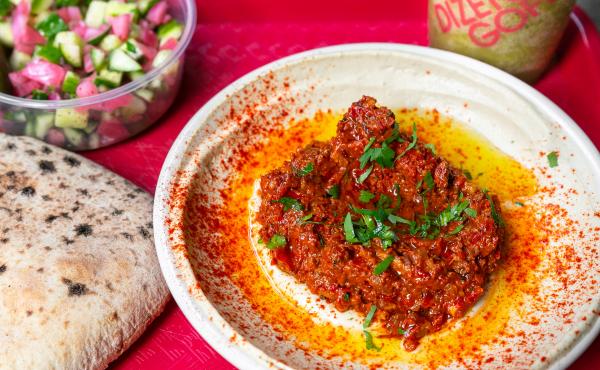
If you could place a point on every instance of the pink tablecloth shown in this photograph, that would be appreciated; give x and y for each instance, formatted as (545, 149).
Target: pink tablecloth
(234, 37)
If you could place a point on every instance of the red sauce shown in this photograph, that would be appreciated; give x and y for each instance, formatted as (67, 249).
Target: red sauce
(440, 233)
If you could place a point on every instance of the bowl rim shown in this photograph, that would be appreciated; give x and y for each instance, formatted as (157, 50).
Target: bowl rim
(186, 37)
(203, 316)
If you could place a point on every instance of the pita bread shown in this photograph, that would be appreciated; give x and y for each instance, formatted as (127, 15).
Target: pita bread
(79, 277)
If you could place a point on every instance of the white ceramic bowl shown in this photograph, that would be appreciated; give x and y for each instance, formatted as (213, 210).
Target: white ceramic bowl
(515, 117)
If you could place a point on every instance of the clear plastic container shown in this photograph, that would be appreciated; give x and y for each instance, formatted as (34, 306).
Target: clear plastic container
(108, 117)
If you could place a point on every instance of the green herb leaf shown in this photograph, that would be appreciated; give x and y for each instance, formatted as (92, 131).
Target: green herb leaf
(401, 331)
(277, 241)
(470, 212)
(349, 229)
(383, 265)
(346, 297)
(520, 204)
(428, 179)
(365, 196)
(397, 219)
(5, 7)
(370, 316)
(334, 191)
(304, 219)
(130, 47)
(290, 203)
(51, 26)
(413, 143)
(39, 95)
(306, 170)
(260, 241)
(457, 229)
(495, 215)
(468, 174)
(365, 174)
(431, 148)
(48, 52)
(369, 342)
(552, 159)
(63, 3)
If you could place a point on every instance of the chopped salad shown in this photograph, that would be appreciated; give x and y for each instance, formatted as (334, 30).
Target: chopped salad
(63, 49)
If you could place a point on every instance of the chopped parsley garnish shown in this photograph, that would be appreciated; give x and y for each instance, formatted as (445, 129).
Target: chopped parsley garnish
(470, 212)
(401, 331)
(384, 155)
(520, 204)
(51, 26)
(369, 342)
(413, 143)
(48, 52)
(431, 148)
(365, 196)
(346, 297)
(495, 215)
(383, 265)
(349, 229)
(307, 220)
(365, 174)
(369, 317)
(334, 191)
(428, 181)
(289, 203)
(306, 170)
(277, 241)
(552, 159)
(468, 174)
(457, 229)
(369, 226)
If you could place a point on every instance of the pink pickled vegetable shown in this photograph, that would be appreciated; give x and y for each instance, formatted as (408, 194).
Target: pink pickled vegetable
(80, 28)
(54, 96)
(86, 88)
(88, 65)
(55, 137)
(121, 26)
(22, 85)
(92, 33)
(44, 72)
(170, 44)
(25, 37)
(118, 102)
(112, 131)
(69, 14)
(147, 36)
(158, 13)
(148, 52)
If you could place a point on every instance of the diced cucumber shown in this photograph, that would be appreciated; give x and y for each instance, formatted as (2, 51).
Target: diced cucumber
(134, 32)
(18, 60)
(30, 129)
(110, 43)
(43, 123)
(144, 6)
(98, 39)
(71, 118)
(6, 34)
(93, 141)
(135, 107)
(145, 94)
(116, 8)
(41, 17)
(15, 116)
(136, 75)
(96, 14)
(91, 127)
(15, 2)
(161, 57)
(170, 30)
(98, 58)
(39, 6)
(109, 79)
(119, 61)
(70, 83)
(71, 47)
(74, 136)
(131, 48)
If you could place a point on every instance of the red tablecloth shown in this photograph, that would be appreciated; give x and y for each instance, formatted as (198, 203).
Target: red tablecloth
(233, 37)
